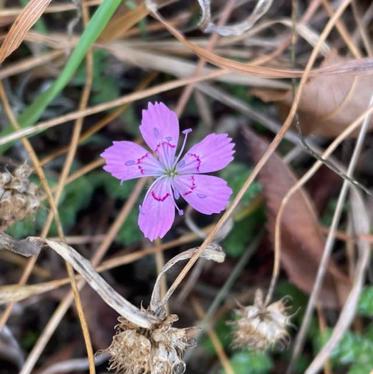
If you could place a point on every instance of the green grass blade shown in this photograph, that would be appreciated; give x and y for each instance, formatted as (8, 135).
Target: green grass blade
(93, 30)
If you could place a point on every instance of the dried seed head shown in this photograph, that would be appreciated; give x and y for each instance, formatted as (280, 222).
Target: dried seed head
(260, 327)
(159, 350)
(19, 197)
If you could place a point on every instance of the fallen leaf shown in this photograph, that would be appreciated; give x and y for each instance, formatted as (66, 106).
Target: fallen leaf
(302, 241)
(329, 102)
(23, 23)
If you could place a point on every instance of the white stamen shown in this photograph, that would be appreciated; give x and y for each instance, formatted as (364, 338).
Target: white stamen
(185, 132)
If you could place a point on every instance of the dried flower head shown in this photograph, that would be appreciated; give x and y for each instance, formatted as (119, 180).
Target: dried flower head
(260, 327)
(19, 197)
(158, 350)
(176, 176)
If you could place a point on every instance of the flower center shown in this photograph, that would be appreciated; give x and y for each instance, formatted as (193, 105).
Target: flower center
(172, 172)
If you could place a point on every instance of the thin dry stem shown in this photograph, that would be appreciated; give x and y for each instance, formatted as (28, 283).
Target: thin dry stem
(330, 239)
(218, 346)
(40, 172)
(362, 226)
(130, 98)
(160, 262)
(341, 28)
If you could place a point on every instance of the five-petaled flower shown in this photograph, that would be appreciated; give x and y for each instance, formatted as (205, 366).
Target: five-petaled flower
(175, 176)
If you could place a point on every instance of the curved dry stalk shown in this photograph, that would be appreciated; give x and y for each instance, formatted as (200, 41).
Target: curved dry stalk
(269, 151)
(107, 293)
(253, 68)
(258, 12)
(212, 252)
(361, 222)
(185, 95)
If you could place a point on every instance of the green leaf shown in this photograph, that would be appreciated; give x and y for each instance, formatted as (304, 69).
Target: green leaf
(352, 349)
(113, 188)
(93, 30)
(242, 234)
(235, 174)
(360, 368)
(105, 86)
(130, 233)
(251, 362)
(224, 333)
(365, 306)
(244, 230)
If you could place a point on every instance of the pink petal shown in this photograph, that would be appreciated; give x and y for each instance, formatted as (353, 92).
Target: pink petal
(205, 193)
(160, 130)
(128, 160)
(157, 213)
(213, 153)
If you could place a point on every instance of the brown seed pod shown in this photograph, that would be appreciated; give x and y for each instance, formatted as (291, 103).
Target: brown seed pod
(19, 197)
(260, 327)
(158, 350)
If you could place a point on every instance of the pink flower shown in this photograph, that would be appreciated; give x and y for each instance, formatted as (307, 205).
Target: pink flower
(175, 177)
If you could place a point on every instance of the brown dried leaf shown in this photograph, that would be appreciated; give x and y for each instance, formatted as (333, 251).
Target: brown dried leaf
(302, 240)
(329, 102)
(123, 21)
(23, 23)
(14, 293)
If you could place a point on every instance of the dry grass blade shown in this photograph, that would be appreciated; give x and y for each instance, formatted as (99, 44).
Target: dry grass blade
(260, 9)
(26, 247)
(149, 59)
(254, 69)
(15, 293)
(361, 221)
(23, 23)
(122, 22)
(33, 130)
(303, 241)
(29, 63)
